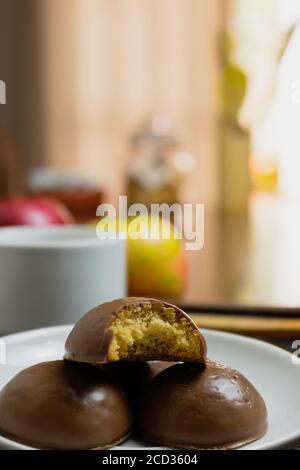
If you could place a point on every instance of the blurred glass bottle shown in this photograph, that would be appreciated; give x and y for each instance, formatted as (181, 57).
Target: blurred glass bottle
(158, 172)
(234, 138)
(159, 165)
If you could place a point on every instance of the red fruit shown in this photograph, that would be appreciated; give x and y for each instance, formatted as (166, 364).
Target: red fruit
(33, 211)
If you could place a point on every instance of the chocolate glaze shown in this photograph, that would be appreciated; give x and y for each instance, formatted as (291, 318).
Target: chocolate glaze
(90, 338)
(197, 406)
(133, 376)
(61, 405)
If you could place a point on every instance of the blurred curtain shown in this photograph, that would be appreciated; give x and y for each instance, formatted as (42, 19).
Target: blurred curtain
(21, 119)
(96, 68)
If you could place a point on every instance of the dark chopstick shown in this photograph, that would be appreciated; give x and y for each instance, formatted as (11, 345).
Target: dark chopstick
(242, 310)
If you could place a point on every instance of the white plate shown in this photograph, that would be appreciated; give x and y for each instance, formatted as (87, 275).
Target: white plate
(270, 369)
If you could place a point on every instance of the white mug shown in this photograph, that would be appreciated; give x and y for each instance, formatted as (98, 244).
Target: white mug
(53, 275)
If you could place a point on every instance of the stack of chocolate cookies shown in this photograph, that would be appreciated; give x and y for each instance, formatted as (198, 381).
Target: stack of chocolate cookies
(132, 365)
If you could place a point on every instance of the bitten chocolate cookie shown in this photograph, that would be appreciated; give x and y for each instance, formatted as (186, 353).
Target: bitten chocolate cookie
(197, 406)
(135, 329)
(63, 405)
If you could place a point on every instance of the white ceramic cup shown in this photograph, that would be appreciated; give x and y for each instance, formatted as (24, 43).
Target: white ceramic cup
(53, 275)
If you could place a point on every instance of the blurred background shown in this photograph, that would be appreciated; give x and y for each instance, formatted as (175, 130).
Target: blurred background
(165, 101)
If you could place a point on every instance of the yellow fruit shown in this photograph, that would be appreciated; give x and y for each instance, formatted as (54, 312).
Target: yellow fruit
(156, 266)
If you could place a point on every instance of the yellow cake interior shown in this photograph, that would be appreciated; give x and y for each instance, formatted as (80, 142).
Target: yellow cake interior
(153, 332)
